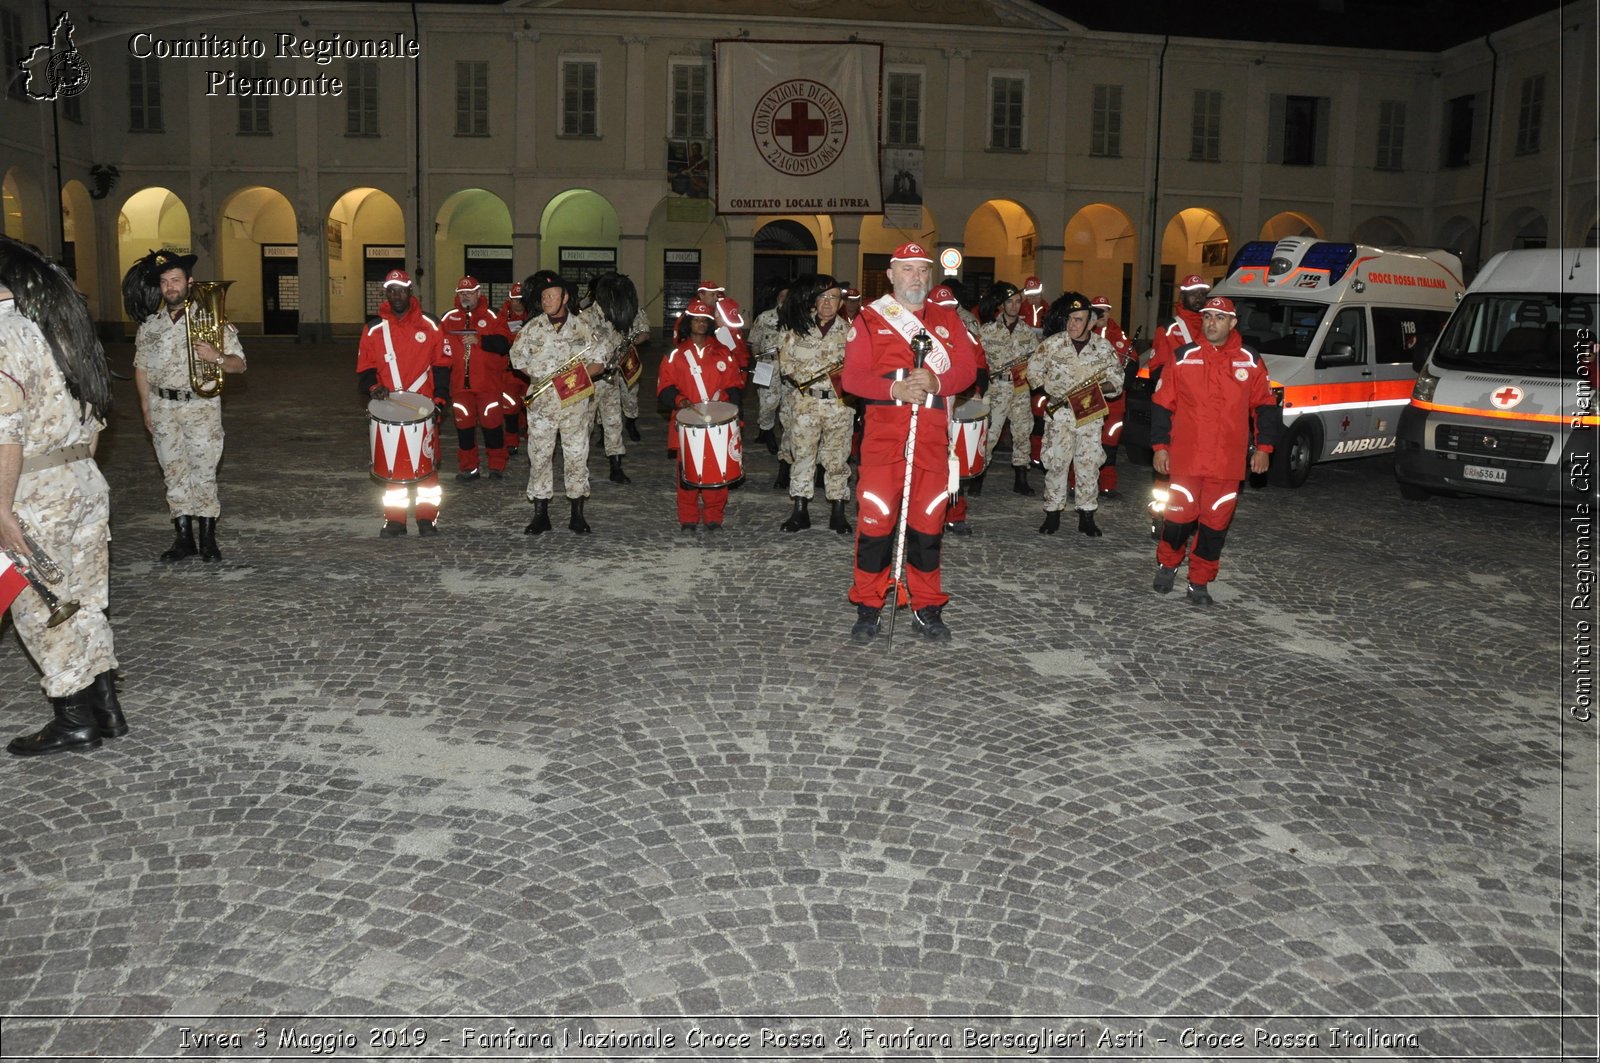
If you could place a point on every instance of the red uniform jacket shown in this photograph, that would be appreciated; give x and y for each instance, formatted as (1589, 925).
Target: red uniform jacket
(484, 371)
(719, 372)
(873, 353)
(417, 345)
(1185, 329)
(1211, 406)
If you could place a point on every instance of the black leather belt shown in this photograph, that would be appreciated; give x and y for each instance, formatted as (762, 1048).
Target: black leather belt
(176, 394)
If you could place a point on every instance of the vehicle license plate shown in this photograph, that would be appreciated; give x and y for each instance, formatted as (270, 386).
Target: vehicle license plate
(1484, 473)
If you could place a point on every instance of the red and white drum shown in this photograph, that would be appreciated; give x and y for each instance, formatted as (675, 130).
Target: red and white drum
(969, 436)
(405, 439)
(710, 452)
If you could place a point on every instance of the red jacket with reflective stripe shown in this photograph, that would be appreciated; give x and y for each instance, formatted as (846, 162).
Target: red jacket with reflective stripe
(1211, 406)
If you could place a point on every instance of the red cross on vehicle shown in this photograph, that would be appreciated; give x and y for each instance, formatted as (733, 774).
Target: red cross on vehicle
(1506, 397)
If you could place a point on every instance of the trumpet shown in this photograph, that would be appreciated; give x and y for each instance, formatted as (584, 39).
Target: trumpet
(39, 570)
(549, 382)
(801, 385)
(207, 322)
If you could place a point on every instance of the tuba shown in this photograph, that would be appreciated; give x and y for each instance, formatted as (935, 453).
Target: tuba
(206, 321)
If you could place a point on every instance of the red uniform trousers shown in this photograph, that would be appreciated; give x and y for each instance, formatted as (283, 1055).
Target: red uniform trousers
(690, 499)
(878, 516)
(1110, 437)
(479, 409)
(1193, 503)
(397, 499)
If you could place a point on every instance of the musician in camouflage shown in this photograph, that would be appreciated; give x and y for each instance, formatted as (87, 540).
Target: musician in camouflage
(1008, 344)
(613, 313)
(1070, 356)
(55, 394)
(549, 343)
(764, 348)
(186, 428)
(819, 424)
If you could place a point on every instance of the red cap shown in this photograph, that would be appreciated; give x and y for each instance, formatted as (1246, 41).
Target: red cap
(1219, 304)
(516, 290)
(851, 293)
(711, 286)
(1100, 302)
(943, 296)
(729, 314)
(397, 277)
(468, 284)
(1193, 281)
(911, 252)
(698, 309)
(1033, 286)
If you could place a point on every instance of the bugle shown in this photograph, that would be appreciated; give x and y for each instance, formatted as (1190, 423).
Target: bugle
(549, 382)
(39, 569)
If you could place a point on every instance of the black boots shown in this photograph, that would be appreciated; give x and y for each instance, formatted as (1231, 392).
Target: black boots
(617, 475)
(392, 529)
(770, 438)
(576, 522)
(1086, 524)
(1021, 485)
(836, 519)
(975, 485)
(183, 545)
(800, 517)
(782, 482)
(426, 528)
(72, 729)
(208, 538)
(107, 712)
(1052, 522)
(630, 425)
(541, 518)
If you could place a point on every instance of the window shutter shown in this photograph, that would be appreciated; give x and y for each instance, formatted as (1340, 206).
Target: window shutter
(1324, 123)
(1275, 119)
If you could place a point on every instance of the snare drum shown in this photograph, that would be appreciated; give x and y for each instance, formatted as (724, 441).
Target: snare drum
(710, 452)
(405, 439)
(969, 433)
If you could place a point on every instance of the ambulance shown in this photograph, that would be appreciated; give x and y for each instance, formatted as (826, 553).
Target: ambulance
(1506, 403)
(1342, 328)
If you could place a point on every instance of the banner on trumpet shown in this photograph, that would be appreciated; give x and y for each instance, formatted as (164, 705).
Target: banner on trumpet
(12, 581)
(574, 385)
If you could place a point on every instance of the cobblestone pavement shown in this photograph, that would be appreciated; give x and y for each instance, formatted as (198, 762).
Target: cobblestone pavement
(609, 788)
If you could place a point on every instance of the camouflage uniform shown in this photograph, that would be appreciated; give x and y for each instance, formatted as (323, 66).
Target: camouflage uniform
(629, 393)
(186, 430)
(67, 505)
(764, 337)
(541, 349)
(1057, 367)
(1008, 399)
(818, 424)
(608, 390)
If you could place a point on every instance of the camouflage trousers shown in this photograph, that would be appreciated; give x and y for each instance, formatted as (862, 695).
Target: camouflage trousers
(188, 442)
(607, 403)
(1075, 448)
(546, 420)
(767, 408)
(630, 400)
(785, 400)
(819, 431)
(69, 509)
(1009, 403)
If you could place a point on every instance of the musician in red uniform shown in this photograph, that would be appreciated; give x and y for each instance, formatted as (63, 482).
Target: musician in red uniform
(1111, 428)
(477, 343)
(404, 351)
(1185, 329)
(880, 367)
(515, 415)
(699, 369)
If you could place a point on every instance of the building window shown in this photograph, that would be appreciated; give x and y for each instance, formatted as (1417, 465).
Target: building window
(1391, 134)
(1302, 129)
(1105, 132)
(255, 112)
(12, 53)
(903, 114)
(1458, 123)
(144, 95)
(361, 98)
(580, 97)
(689, 105)
(1205, 138)
(1007, 94)
(1530, 115)
(472, 98)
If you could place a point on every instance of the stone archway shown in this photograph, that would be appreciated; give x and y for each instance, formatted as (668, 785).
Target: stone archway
(150, 219)
(472, 236)
(366, 237)
(1291, 223)
(1000, 242)
(259, 251)
(1100, 244)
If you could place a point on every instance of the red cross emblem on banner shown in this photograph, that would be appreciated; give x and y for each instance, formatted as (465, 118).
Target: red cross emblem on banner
(1506, 397)
(798, 125)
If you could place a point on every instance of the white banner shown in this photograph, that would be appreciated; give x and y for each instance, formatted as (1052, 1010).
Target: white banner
(797, 127)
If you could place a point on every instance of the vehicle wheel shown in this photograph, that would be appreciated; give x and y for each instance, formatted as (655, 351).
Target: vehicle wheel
(1292, 458)
(1413, 493)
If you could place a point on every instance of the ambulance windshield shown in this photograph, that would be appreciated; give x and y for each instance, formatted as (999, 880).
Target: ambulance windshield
(1535, 334)
(1278, 326)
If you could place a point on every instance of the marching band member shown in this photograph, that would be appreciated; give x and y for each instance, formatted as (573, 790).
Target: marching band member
(478, 346)
(404, 351)
(730, 333)
(850, 306)
(881, 367)
(699, 369)
(185, 427)
(515, 420)
(1185, 329)
(1070, 356)
(613, 314)
(764, 346)
(1008, 343)
(55, 393)
(560, 353)
(1111, 435)
(955, 522)
(810, 352)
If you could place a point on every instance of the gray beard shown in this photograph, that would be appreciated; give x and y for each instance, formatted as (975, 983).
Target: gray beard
(912, 296)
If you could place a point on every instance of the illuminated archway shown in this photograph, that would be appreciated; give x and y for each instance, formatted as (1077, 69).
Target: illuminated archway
(78, 240)
(1000, 242)
(1194, 241)
(1100, 244)
(1291, 223)
(366, 237)
(23, 208)
(150, 219)
(472, 235)
(787, 245)
(258, 250)
(688, 241)
(580, 236)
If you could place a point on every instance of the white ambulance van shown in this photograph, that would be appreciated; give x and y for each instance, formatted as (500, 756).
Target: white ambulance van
(1342, 328)
(1505, 404)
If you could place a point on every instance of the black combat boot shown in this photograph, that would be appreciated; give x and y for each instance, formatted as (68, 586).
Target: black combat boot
(799, 517)
(617, 475)
(426, 529)
(576, 522)
(630, 425)
(392, 529)
(975, 485)
(73, 728)
(866, 626)
(782, 482)
(182, 546)
(1052, 522)
(1086, 524)
(836, 519)
(541, 518)
(208, 539)
(770, 438)
(107, 711)
(1021, 485)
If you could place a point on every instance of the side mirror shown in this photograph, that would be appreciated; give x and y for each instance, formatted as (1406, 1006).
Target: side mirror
(1335, 354)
